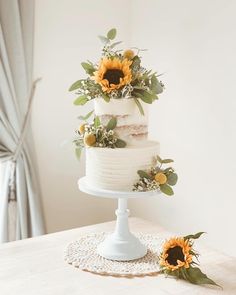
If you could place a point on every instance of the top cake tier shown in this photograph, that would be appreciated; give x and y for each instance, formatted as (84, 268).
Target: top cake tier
(131, 125)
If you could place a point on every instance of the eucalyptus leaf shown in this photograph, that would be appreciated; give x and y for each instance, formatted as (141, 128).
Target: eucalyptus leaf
(139, 105)
(76, 85)
(81, 100)
(172, 178)
(97, 122)
(168, 170)
(159, 159)
(104, 39)
(166, 189)
(136, 61)
(78, 152)
(196, 236)
(111, 124)
(111, 34)
(88, 67)
(120, 143)
(86, 117)
(105, 97)
(196, 276)
(144, 174)
(166, 161)
(144, 95)
(156, 85)
(115, 44)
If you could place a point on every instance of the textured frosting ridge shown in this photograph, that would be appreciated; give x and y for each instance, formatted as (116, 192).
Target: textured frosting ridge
(116, 169)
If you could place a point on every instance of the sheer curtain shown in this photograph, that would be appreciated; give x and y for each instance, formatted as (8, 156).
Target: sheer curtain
(20, 209)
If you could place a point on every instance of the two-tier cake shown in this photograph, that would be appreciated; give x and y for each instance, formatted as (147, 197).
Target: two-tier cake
(118, 152)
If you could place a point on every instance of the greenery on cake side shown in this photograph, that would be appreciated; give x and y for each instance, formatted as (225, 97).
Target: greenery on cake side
(179, 259)
(119, 74)
(157, 178)
(95, 134)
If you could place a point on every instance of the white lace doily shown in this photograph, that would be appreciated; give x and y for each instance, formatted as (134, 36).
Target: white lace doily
(82, 254)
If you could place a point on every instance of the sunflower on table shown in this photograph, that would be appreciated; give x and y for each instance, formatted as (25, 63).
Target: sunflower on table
(176, 254)
(177, 259)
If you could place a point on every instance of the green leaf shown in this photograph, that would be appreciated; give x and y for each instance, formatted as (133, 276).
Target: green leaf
(111, 124)
(139, 105)
(172, 178)
(175, 273)
(88, 67)
(105, 97)
(115, 44)
(76, 85)
(182, 274)
(196, 236)
(104, 39)
(196, 276)
(81, 100)
(166, 189)
(86, 117)
(136, 61)
(159, 159)
(78, 151)
(168, 170)
(166, 161)
(144, 174)
(111, 34)
(156, 85)
(120, 143)
(144, 95)
(97, 122)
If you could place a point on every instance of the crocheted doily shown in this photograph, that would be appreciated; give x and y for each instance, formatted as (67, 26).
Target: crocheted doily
(83, 255)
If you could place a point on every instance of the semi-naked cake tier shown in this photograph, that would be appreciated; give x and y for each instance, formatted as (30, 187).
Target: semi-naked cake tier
(131, 125)
(116, 169)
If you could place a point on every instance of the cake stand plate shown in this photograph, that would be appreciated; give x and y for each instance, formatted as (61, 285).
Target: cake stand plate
(121, 245)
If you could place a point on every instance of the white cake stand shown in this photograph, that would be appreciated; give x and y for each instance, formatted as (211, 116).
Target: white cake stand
(121, 245)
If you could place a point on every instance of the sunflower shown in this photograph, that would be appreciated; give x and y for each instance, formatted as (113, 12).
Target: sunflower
(176, 254)
(113, 73)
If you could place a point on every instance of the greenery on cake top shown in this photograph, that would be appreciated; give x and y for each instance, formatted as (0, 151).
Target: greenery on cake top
(157, 178)
(95, 134)
(118, 74)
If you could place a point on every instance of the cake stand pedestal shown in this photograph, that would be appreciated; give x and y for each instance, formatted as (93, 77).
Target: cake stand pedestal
(121, 245)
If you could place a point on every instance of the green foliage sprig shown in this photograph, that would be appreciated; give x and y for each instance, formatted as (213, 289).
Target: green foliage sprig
(95, 134)
(157, 178)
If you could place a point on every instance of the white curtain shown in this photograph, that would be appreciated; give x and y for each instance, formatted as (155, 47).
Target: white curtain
(20, 210)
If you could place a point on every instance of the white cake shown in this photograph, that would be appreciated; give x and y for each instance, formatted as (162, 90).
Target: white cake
(116, 169)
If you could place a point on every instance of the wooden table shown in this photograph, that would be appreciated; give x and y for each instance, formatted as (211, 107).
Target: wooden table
(36, 266)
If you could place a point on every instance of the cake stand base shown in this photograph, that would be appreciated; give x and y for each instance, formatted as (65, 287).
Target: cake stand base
(122, 245)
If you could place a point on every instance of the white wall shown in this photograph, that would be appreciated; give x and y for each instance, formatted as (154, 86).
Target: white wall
(193, 42)
(65, 35)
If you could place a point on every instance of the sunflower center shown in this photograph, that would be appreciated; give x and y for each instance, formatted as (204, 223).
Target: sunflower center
(113, 76)
(174, 254)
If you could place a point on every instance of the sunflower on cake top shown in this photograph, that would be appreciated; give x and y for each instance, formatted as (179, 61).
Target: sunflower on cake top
(115, 133)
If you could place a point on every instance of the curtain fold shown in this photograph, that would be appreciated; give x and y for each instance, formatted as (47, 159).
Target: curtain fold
(20, 208)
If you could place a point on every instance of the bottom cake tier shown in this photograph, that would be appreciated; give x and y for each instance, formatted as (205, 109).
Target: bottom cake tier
(116, 169)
